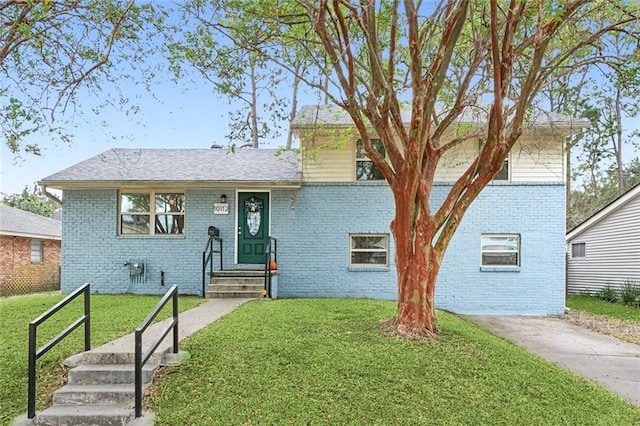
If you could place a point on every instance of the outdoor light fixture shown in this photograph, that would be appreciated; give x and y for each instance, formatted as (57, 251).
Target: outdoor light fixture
(223, 198)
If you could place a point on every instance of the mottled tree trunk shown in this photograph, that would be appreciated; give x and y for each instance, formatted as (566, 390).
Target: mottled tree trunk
(417, 267)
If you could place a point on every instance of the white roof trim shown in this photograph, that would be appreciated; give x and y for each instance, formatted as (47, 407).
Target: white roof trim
(604, 212)
(32, 236)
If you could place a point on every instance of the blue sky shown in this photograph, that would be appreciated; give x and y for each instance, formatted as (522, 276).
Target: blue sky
(187, 115)
(177, 116)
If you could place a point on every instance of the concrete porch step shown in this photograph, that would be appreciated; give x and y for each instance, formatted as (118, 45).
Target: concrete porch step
(96, 374)
(236, 287)
(234, 294)
(235, 281)
(236, 284)
(237, 273)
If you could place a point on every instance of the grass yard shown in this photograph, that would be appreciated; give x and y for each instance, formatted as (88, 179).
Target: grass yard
(324, 361)
(112, 316)
(595, 306)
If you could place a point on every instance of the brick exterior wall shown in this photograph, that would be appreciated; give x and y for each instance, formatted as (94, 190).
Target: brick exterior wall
(18, 275)
(313, 246)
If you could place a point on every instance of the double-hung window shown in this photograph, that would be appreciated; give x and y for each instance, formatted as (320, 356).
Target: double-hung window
(151, 213)
(365, 169)
(369, 250)
(500, 249)
(36, 251)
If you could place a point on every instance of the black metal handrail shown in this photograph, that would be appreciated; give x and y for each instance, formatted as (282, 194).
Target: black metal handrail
(142, 358)
(271, 253)
(207, 258)
(35, 353)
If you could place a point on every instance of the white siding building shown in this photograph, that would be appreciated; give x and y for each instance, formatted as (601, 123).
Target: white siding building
(605, 249)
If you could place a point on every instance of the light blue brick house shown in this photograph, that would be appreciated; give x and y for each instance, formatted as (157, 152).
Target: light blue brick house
(137, 220)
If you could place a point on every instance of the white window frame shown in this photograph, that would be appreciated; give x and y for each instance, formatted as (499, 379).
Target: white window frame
(37, 252)
(497, 251)
(384, 250)
(582, 253)
(364, 158)
(152, 213)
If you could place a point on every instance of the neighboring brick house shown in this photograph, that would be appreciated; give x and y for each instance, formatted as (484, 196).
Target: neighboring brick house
(328, 209)
(29, 252)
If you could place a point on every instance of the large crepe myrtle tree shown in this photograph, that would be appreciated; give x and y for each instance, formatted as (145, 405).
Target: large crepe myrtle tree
(445, 62)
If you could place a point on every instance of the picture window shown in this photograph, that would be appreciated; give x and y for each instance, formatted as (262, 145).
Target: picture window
(138, 213)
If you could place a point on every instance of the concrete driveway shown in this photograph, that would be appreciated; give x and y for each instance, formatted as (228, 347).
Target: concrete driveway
(606, 360)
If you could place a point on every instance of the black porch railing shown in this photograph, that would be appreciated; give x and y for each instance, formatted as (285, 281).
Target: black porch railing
(35, 353)
(142, 358)
(207, 259)
(271, 255)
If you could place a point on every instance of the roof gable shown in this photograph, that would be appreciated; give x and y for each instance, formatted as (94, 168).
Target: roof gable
(20, 223)
(605, 212)
(181, 166)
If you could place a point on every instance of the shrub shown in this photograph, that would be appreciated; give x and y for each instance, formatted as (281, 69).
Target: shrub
(630, 294)
(608, 294)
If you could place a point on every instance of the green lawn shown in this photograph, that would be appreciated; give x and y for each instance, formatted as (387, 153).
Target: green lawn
(111, 317)
(309, 362)
(595, 306)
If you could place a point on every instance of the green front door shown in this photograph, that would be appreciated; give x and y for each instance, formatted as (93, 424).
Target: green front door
(253, 226)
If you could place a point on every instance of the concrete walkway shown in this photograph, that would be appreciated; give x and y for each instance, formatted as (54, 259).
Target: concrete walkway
(189, 322)
(612, 363)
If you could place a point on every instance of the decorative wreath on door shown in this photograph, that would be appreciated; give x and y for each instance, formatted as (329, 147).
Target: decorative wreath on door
(253, 208)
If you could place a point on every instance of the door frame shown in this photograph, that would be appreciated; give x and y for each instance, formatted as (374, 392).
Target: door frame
(237, 214)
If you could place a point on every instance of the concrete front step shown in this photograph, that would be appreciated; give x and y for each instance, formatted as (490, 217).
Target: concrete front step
(87, 415)
(95, 374)
(104, 394)
(213, 294)
(236, 284)
(236, 287)
(239, 273)
(237, 281)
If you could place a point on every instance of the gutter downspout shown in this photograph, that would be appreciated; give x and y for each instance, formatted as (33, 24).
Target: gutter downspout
(50, 195)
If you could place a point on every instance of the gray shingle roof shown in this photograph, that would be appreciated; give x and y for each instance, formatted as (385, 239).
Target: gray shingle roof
(332, 115)
(18, 222)
(118, 165)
